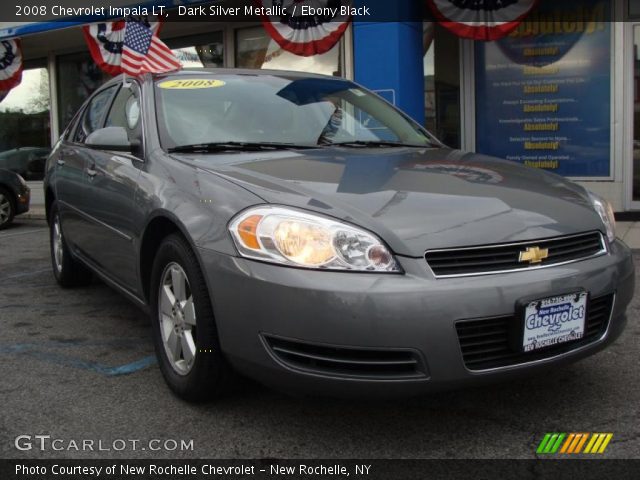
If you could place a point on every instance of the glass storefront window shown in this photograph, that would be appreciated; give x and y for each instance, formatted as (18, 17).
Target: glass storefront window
(78, 77)
(199, 51)
(442, 83)
(636, 114)
(25, 135)
(256, 49)
(543, 95)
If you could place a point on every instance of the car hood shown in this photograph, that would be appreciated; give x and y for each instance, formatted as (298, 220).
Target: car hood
(415, 199)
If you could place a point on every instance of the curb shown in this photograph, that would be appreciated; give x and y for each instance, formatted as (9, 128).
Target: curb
(35, 213)
(32, 216)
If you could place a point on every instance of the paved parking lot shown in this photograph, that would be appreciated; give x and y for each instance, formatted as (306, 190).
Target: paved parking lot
(78, 364)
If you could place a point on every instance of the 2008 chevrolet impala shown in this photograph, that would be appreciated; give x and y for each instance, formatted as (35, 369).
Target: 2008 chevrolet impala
(300, 230)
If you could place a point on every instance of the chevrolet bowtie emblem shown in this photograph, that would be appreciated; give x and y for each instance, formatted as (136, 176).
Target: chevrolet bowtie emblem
(534, 255)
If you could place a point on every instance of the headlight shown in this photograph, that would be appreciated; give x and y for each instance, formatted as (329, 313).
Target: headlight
(292, 237)
(605, 211)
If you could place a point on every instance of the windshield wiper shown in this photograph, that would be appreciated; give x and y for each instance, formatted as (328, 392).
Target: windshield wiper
(376, 143)
(239, 146)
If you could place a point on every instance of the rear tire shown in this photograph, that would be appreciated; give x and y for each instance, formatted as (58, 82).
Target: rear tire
(185, 335)
(7, 208)
(67, 271)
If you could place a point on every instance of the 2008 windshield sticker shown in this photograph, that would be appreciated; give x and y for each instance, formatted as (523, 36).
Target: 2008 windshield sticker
(191, 84)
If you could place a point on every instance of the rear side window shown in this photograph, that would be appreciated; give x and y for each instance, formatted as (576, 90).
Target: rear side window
(93, 115)
(120, 113)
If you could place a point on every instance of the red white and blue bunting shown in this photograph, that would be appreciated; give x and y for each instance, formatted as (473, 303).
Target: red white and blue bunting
(481, 19)
(306, 35)
(105, 41)
(10, 65)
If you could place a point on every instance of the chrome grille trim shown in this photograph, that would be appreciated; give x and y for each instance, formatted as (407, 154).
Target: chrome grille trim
(540, 243)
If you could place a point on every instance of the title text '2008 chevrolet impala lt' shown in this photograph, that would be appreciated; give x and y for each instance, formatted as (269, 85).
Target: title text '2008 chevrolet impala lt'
(302, 231)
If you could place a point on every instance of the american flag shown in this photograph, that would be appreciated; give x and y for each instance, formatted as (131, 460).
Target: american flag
(144, 52)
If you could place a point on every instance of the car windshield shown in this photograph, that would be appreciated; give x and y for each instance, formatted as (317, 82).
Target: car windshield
(207, 111)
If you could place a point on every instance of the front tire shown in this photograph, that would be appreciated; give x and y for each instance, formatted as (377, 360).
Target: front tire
(184, 330)
(67, 271)
(7, 208)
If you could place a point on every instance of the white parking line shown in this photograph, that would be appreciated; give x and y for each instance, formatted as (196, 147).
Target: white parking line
(21, 233)
(24, 274)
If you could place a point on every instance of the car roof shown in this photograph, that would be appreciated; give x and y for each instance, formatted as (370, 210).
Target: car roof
(245, 71)
(232, 71)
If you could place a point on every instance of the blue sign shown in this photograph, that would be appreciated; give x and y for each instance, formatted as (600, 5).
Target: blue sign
(543, 94)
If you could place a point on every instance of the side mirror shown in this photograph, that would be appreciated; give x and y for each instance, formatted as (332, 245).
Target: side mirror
(110, 138)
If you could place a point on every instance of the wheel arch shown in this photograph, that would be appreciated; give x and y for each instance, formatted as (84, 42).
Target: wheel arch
(160, 225)
(10, 190)
(49, 198)
(13, 199)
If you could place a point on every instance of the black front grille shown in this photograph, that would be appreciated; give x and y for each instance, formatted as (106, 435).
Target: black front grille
(485, 342)
(498, 258)
(347, 361)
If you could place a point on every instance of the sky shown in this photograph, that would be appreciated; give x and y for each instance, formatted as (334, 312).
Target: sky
(19, 97)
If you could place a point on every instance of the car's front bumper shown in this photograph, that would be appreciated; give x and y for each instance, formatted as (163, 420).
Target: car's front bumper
(412, 312)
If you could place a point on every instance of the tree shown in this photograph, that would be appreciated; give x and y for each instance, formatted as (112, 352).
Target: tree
(40, 100)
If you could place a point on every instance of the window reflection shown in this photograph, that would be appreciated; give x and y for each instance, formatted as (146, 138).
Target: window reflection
(442, 83)
(255, 49)
(78, 77)
(200, 50)
(25, 136)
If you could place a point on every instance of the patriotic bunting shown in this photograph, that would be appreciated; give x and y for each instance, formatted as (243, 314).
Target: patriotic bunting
(305, 35)
(481, 19)
(106, 41)
(10, 65)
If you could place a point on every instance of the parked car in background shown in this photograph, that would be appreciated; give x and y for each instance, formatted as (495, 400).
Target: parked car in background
(28, 162)
(301, 230)
(14, 197)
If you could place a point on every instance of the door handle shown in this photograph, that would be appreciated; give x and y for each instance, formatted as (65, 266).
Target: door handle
(60, 162)
(92, 172)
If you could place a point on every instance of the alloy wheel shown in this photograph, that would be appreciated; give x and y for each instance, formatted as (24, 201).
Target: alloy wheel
(5, 209)
(177, 317)
(58, 249)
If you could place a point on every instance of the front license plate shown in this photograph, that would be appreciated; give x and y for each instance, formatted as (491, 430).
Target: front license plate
(554, 320)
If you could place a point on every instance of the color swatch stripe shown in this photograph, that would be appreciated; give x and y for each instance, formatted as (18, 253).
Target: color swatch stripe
(597, 442)
(559, 440)
(551, 443)
(605, 443)
(573, 443)
(568, 442)
(592, 441)
(582, 442)
(543, 443)
(576, 440)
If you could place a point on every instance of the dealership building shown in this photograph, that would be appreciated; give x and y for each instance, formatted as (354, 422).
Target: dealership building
(561, 92)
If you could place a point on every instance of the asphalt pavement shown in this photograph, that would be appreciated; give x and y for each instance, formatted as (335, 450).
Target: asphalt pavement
(77, 365)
